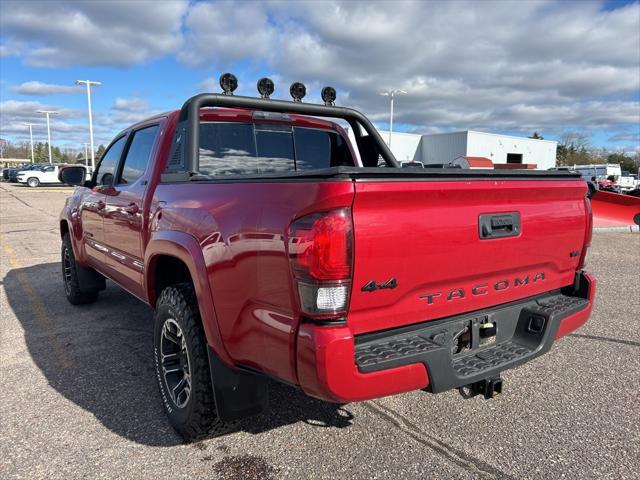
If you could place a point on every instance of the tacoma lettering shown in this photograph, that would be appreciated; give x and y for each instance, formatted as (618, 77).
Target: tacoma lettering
(483, 288)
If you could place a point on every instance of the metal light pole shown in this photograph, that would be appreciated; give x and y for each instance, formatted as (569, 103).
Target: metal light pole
(391, 94)
(49, 112)
(30, 125)
(88, 83)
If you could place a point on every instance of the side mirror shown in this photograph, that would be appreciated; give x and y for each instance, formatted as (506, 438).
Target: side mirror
(73, 175)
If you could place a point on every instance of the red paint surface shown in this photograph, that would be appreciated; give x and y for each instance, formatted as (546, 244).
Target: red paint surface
(614, 209)
(425, 234)
(327, 370)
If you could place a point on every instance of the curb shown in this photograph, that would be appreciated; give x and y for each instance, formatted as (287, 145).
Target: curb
(625, 229)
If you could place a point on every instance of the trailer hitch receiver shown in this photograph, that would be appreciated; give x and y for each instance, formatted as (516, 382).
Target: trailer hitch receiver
(489, 387)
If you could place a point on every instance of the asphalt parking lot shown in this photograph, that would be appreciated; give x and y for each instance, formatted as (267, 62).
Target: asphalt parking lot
(79, 400)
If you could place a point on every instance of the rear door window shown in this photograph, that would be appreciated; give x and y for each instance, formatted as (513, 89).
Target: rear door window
(107, 166)
(135, 163)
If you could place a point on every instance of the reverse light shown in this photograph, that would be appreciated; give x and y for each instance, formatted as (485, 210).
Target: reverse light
(320, 248)
(332, 298)
(324, 301)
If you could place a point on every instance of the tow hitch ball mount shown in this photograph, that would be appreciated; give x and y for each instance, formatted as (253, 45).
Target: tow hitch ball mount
(489, 387)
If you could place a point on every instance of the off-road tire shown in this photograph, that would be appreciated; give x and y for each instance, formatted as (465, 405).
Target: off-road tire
(33, 182)
(197, 417)
(72, 290)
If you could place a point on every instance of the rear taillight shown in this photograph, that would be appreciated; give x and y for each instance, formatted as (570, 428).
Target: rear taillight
(320, 249)
(587, 234)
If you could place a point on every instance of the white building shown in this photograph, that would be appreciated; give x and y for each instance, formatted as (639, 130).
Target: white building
(403, 145)
(446, 147)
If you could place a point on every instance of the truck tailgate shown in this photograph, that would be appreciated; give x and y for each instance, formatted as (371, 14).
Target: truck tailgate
(426, 236)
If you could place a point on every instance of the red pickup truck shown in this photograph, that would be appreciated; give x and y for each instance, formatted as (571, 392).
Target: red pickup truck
(271, 246)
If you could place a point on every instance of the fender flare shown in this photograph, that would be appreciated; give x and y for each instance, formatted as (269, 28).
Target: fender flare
(75, 232)
(186, 248)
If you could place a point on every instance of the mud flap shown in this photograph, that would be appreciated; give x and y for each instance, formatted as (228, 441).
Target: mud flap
(89, 280)
(237, 394)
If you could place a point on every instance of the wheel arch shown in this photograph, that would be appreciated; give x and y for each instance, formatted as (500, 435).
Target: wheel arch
(64, 228)
(172, 257)
(67, 227)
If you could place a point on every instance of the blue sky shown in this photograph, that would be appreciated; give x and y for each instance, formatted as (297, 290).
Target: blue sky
(510, 67)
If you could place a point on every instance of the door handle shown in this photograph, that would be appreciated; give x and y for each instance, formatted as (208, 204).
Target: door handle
(499, 225)
(100, 205)
(132, 209)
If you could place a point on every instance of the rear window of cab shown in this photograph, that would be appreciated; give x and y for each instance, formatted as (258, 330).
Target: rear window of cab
(237, 149)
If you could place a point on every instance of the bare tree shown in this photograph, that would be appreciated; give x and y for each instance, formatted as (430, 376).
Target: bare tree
(578, 140)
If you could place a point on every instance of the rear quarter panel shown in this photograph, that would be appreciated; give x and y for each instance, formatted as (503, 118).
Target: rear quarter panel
(241, 229)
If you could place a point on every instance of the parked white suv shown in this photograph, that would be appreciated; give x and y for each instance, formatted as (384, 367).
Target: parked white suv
(45, 174)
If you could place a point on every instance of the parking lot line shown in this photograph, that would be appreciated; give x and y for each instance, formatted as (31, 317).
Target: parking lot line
(36, 305)
(50, 190)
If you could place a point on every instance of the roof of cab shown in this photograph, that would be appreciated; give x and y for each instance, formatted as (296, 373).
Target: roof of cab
(242, 115)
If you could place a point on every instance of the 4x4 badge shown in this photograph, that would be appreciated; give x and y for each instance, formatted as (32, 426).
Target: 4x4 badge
(372, 286)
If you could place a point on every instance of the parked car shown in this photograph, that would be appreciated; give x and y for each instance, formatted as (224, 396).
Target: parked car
(12, 173)
(609, 185)
(5, 174)
(44, 174)
(627, 181)
(271, 247)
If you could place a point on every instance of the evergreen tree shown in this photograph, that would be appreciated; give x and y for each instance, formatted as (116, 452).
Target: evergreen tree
(41, 152)
(100, 152)
(57, 154)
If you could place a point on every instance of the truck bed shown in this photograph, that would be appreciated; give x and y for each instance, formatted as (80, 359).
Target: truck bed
(357, 173)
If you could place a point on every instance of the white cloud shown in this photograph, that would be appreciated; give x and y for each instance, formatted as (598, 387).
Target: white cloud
(9, 49)
(70, 126)
(632, 137)
(460, 66)
(126, 111)
(224, 33)
(91, 32)
(43, 89)
(64, 126)
(492, 65)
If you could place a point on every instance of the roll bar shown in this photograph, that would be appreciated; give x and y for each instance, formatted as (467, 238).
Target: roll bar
(189, 120)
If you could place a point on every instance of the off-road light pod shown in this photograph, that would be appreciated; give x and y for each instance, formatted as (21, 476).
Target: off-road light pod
(297, 91)
(320, 249)
(228, 83)
(265, 87)
(328, 95)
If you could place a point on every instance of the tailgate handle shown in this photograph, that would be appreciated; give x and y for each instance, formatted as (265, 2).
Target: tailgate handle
(499, 225)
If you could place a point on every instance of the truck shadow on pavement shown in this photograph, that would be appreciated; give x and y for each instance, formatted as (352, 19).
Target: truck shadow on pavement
(99, 356)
